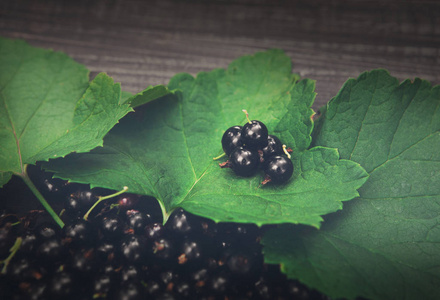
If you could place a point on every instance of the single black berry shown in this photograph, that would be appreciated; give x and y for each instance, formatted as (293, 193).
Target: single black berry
(62, 285)
(274, 147)
(79, 233)
(137, 220)
(133, 248)
(244, 162)
(46, 231)
(111, 226)
(278, 168)
(83, 260)
(128, 201)
(232, 139)
(154, 231)
(254, 135)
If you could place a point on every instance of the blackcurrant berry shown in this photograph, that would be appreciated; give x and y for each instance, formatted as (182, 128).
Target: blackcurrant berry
(128, 201)
(101, 285)
(254, 135)
(278, 169)
(50, 250)
(133, 248)
(6, 240)
(244, 162)
(46, 231)
(82, 261)
(29, 243)
(105, 251)
(183, 223)
(274, 147)
(162, 249)
(111, 227)
(191, 250)
(137, 220)
(154, 231)
(131, 290)
(219, 283)
(231, 139)
(79, 233)
(62, 285)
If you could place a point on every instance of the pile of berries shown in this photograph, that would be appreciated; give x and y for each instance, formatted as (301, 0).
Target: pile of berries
(122, 251)
(250, 147)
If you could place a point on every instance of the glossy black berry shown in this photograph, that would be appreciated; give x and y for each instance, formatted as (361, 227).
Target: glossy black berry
(6, 240)
(133, 248)
(79, 233)
(29, 243)
(50, 250)
(137, 220)
(162, 249)
(46, 231)
(101, 285)
(111, 227)
(190, 250)
(278, 168)
(254, 135)
(232, 139)
(154, 231)
(244, 162)
(62, 285)
(274, 147)
(129, 291)
(79, 202)
(82, 261)
(105, 251)
(128, 201)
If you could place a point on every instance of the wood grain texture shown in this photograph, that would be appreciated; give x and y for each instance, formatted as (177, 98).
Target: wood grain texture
(143, 43)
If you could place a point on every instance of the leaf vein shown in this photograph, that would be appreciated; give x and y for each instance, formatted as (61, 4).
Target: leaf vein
(44, 100)
(365, 115)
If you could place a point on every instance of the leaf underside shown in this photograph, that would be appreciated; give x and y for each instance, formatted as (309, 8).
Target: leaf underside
(166, 148)
(386, 244)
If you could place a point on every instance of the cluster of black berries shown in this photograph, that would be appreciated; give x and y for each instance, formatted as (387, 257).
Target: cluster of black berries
(123, 252)
(250, 146)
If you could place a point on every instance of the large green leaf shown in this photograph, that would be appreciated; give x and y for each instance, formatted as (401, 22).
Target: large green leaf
(165, 148)
(386, 244)
(49, 109)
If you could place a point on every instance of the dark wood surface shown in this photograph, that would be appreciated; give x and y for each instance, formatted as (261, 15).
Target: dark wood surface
(143, 43)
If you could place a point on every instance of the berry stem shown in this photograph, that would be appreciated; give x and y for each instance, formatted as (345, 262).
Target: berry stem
(13, 250)
(40, 197)
(286, 151)
(220, 156)
(224, 164)
(247, 116)
(102, 198)
(266, 180)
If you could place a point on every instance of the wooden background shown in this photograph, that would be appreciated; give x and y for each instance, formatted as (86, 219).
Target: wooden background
(143, 43)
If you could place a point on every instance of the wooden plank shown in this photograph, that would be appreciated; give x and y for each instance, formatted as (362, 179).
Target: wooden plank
(143, 43)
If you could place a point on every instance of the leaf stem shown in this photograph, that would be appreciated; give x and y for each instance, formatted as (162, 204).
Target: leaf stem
(40, 197)
(165, 215)
(102, 198)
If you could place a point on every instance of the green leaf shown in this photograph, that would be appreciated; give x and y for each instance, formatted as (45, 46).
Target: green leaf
(48, 107)
(125, 96)
(149, 94)
(166, 148)
(386, 244)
